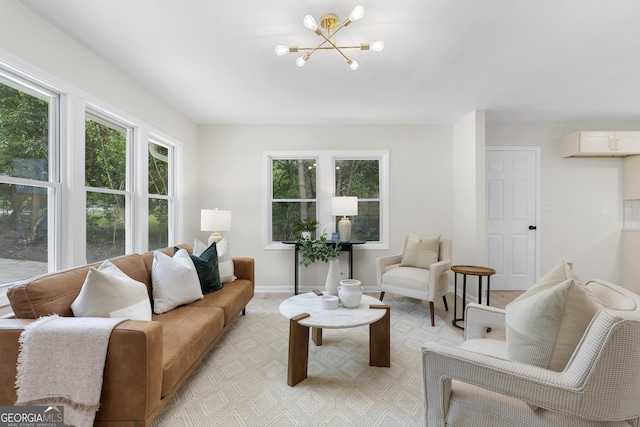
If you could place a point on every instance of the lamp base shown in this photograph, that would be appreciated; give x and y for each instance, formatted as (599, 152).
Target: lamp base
(215, 237)
(344, 229)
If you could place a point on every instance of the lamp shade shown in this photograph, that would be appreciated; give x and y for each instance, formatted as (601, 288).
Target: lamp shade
(215, 220)
(345, 205)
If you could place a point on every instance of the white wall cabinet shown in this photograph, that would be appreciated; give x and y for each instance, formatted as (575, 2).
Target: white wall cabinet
(600, 144)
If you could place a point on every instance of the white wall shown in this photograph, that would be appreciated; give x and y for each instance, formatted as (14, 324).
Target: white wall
(468, 208)
(585, 224)
(231, 165)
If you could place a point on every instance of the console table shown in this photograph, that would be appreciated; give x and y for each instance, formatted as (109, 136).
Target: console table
(346, 247)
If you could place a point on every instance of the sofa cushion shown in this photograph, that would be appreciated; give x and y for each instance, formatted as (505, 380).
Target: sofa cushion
(544, 328)
(225, 261)
(232, 298)
(108, 292)
(175, 281)
(187, 332)
(421, 253)
(206, 264)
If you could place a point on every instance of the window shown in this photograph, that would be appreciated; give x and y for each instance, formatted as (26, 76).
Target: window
(67, 189)
(301, 184)
(29, 185)
(293, 195)
(106, 181)
(361, 178)
(160, 199)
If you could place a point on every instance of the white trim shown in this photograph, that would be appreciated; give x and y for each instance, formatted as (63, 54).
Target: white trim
(74, 104)
(325, 189)
(537, 151)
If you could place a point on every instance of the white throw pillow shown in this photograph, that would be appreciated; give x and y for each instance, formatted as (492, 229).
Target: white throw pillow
(174, 281)
(199, 247)
(544, 328)
(421, 253)
(108, 292)
(225, 261)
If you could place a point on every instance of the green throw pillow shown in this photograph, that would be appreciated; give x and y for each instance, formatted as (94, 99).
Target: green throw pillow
(207, 268)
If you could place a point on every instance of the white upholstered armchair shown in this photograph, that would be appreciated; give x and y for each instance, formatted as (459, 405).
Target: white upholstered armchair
(600, 385)
(427, 284)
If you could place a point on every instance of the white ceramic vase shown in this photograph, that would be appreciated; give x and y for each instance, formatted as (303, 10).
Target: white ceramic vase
(333, 277)
(350, 293)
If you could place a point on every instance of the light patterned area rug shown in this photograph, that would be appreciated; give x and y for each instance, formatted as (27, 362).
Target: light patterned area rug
(243, 380)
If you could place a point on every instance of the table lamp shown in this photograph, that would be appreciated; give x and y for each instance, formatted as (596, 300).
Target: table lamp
(216, 221)
(344, 205)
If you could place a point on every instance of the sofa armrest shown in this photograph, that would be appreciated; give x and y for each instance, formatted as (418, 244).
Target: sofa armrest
(132, 375)
(244, 268)
(133, 372)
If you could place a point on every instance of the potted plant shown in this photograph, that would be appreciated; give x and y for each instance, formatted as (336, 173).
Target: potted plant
(304, 228)
(313, 250)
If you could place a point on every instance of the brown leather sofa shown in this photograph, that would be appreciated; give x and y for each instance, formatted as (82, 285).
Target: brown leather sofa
(147, 362)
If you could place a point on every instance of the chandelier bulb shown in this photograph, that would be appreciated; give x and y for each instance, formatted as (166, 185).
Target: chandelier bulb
(282, 50)
(356, 13)
(376, 46)
(353, 64)
(310, 23)
(301, 61)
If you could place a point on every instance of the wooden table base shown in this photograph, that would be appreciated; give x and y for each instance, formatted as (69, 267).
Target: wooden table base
(379, 344)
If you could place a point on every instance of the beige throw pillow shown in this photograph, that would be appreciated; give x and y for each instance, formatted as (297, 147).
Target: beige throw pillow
(225, 262)
(108, 292)
(421, 253)
(545, 324)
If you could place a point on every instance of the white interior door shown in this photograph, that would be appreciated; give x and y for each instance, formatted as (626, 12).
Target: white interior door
(512, 206)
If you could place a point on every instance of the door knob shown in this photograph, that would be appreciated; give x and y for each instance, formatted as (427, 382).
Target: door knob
(532, 227)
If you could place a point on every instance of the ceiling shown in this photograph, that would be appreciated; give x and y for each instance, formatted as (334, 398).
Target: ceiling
(521, 61)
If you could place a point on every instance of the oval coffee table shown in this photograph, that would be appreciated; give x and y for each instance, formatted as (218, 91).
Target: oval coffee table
(304, 312)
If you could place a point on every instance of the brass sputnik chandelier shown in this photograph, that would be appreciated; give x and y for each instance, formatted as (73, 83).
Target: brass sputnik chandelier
(330, 23)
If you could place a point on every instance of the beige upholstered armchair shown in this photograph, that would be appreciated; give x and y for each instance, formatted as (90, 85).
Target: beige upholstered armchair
(599, 386)
(398, 275)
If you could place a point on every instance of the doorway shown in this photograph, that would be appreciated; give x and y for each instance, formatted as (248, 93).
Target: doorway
(512, 199)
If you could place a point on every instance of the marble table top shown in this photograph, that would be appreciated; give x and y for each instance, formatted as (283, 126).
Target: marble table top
(331, 319)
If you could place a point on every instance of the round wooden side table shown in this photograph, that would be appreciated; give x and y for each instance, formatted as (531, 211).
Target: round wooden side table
(469, 270)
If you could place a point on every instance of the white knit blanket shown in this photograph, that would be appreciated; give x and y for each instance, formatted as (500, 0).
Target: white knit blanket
(61, 362)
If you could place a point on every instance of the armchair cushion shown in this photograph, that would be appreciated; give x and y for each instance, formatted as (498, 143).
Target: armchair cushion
(420, 253)
(544, 329)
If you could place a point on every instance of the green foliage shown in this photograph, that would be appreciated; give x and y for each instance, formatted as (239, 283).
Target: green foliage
(309, 225)
(24, 153)
(313, 250)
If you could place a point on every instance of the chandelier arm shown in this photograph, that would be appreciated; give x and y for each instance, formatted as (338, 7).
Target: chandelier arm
(335, 47)
(329, 47)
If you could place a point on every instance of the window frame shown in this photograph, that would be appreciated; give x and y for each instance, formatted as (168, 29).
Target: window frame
(66, 234)
(325, 182)
(53, 185)
(99, 115)
(170, 197)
